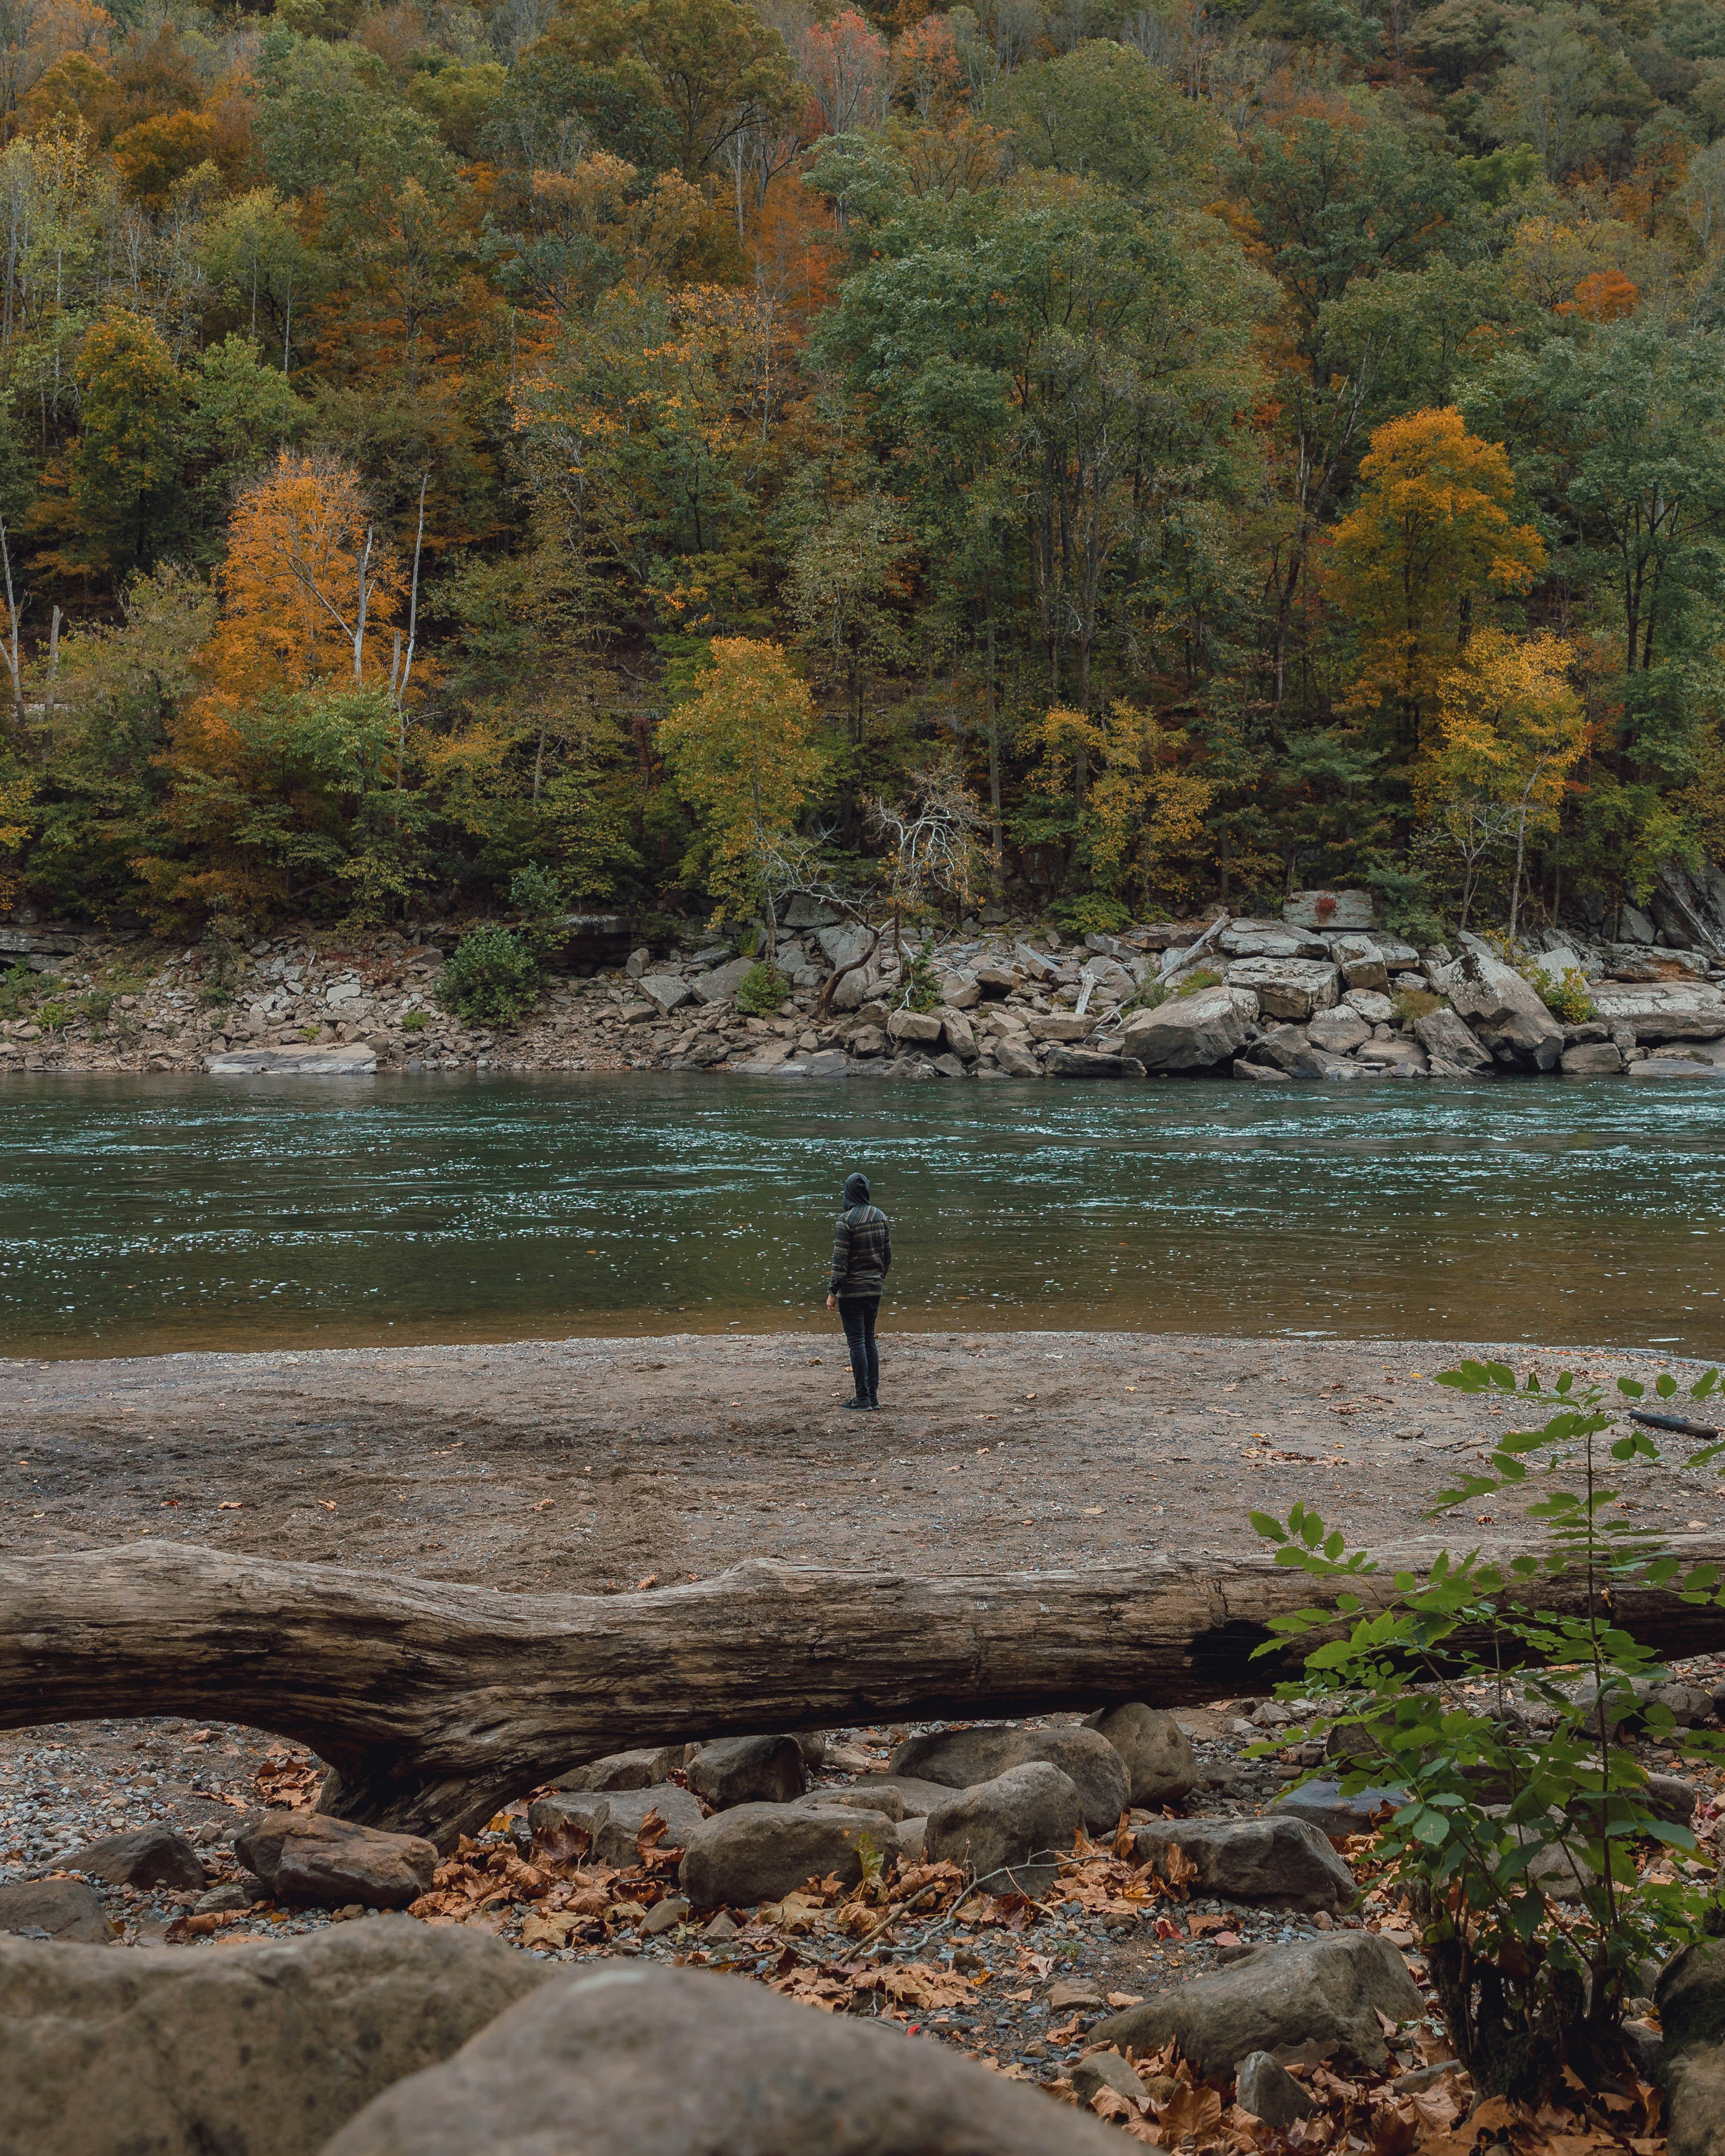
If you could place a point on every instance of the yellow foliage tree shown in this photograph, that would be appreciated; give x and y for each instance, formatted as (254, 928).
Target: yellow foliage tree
(744, 755)
(1512, 729)
(1431, 536)
(307, 585)
(1138, 805)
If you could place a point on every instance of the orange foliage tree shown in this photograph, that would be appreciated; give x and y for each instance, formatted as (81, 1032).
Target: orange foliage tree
(307, 584)
(1431, 536)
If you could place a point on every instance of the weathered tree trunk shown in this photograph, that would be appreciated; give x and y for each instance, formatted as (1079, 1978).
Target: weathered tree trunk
(434, 1703)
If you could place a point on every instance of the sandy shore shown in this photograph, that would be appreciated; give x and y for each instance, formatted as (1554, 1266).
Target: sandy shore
(586, 1464)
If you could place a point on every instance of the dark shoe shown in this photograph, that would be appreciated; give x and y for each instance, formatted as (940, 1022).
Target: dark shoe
(856, 1403)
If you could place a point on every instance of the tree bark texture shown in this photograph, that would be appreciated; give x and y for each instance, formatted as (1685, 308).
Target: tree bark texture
(436, 1703)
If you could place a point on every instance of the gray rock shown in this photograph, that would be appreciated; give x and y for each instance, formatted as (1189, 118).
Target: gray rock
(1322, 1804)
(802, 911)
(915, 1797)
(1291, 988)
(1360, 961)
(1329, 912)
(1397, 1054)
(627, 2060)
(909, 1025)
(722, 982)
(666, 992)
(1367, 1004)
(1015, 1061)
(748, 1770)
(1191, 1033)
(263, 2050)
(1088, 1063)
(625, 1770)
(60, 1909)
(1338, 1032)
(1506, 1013)
(1097, 2070)
(308, 1856)
(828, 1063)
(961, 1758)
(1269, 939)
(1269, 2091)
(1635, 926)
(665, 1917)
(1269, 1863)
(1661, 1010)
(1695, 2100)
(959, 1034)
(868, 1041)
(1331, 1989)
(763, 1852)
(1592, 1058)
(356, 1060)
(1442, 1033)
(865, 1797)
(148, 1856)
(1261, 1073)
(1161, 1766)
(613, 1819)
(995, 1829)
(231, 1894)
(1288, 1049)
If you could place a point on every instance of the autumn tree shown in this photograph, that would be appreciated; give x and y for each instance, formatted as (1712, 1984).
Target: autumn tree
(1511, 729)
(308, 582)
(744, 757)
(1430, 538)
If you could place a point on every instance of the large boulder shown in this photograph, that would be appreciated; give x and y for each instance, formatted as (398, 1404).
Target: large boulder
(915, 1797)
(1161, 1766)
(1322, 1804)
(1340, 1031)
(613, 1819)
(1329, 912)
(1269, 939)
(960, 1034)
(1690, 1999)
(1292, 1053)
(911, 1027)
(666, 992)
(1088, 1063)
(1442, 1033)
(1360, 961)
(763, 1852)
(748, 1770)
(630, 2060)
(1331, 1989)
(1506, 1013)
(1593, 1059)
(263, 2050)
(1695, 2100)
(1291, 988)
(722, 982)
(307, 1856)
(148, 1856)
(56, 1909)
(1268, 1863)
(961, 1758)
(1662, 1010)
(1191, 1033)
(1010, 1831)
(639, 1769)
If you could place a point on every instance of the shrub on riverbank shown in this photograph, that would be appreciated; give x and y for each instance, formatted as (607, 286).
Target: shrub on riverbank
(493, 977)
(761, 991)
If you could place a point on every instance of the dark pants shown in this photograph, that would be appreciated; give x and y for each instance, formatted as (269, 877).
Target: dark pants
(856, 1314)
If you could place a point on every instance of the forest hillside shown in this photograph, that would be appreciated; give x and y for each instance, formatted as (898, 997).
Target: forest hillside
(1106, 457)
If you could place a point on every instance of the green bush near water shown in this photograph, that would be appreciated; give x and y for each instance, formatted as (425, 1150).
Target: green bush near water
(493, 977)
(761, 991)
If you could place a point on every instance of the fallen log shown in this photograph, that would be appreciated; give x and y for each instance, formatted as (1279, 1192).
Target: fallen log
(433, 1703)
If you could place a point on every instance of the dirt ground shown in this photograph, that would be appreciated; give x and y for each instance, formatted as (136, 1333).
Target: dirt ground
(584, 1465)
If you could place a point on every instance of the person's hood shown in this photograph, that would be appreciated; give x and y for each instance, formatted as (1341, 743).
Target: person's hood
(856, 1190)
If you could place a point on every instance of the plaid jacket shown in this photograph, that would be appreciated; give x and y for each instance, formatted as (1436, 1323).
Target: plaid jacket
(862, 1251)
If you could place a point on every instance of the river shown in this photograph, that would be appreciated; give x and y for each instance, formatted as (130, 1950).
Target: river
(144, 1216)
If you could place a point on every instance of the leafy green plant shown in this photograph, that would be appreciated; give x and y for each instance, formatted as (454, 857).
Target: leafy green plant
(761, 991)
(1565, 996)
(1515, 1846)
(18, 991)
(53, 1016)
(1151, 997)
(98, 1006)
(537, 893)
(920, 990)
(492, 978)
(1410, 1003)
(415, 1021)
(1092, 915)
(1202, 978)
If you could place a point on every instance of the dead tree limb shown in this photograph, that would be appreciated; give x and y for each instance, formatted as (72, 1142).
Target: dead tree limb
(434, 1703)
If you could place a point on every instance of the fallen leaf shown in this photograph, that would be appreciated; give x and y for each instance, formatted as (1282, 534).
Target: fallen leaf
(642, 1586)
(1195, 2111)
(1125, 1997)
(232, 1505)
(328, 1504)
(545, 1504)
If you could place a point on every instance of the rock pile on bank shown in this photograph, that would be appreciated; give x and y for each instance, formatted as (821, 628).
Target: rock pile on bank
(1318, 993)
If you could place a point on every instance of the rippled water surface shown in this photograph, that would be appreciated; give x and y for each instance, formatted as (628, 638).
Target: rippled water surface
(147, 1216)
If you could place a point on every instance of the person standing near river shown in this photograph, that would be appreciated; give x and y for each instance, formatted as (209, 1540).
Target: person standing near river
(862, 1258)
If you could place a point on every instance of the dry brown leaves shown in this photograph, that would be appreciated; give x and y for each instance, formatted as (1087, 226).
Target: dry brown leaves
(288, 1780)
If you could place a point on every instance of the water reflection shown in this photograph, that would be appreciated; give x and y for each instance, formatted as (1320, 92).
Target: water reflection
(147, 1216)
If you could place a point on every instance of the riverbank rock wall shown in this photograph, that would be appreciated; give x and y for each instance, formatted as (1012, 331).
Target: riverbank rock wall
(1318, 994)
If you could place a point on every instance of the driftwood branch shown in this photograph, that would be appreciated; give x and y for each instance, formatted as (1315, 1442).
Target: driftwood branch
(434, 1703)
